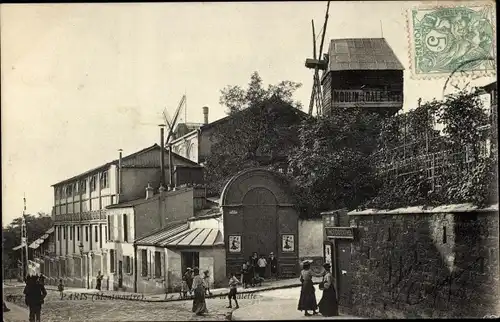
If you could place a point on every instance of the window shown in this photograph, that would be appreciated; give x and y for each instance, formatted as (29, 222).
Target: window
(125, 228)
(64, 232)
(93, 182)
(144, 262)
(96, 231)
(86, 233)
(106, 234)
(128, 264)
(157, 264)
(100, 236)
(112, 260)
(77, 233)
(58, 233)
(104, 180)
(83, 186)
(444, 235)
(69, 190)
(109, 228)
(70, 228)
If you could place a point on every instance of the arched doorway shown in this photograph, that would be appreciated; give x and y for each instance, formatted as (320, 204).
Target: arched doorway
(259, 212)
(259, 215)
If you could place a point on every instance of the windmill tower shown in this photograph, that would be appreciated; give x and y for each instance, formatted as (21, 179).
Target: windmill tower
(170, 123)
(317, 63)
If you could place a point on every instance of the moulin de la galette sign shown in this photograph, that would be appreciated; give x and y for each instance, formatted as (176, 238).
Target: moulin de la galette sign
(367, 98)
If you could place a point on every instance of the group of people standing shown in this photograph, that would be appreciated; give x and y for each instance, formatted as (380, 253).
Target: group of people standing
(328, 305)
(199, 286)
(253, 272)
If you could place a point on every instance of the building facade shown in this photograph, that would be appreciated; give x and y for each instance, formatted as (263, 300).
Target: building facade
(133, 220)
(79, 212)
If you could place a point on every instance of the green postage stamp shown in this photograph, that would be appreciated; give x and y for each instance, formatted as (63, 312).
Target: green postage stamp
(450, 39)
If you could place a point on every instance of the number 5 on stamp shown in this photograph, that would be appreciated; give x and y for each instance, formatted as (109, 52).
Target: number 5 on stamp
(444, 40)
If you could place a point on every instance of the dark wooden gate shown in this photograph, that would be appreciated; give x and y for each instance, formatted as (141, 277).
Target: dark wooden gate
(259, 220)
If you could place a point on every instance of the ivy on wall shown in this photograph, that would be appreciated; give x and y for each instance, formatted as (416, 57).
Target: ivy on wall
(470, 179)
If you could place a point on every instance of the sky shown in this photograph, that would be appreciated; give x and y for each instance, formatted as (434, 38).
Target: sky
(80, 81)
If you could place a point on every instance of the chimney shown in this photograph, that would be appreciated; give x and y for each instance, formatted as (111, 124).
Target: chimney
(205, 114)
(149, 191)
(119, 175)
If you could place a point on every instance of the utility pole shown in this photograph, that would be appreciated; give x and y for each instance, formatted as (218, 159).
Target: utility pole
(24, 240)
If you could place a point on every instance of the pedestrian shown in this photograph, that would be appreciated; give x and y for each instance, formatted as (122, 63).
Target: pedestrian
(99, 280)
(246, 279)
(35, 294)
(233, 284)
(328, 305)
(60, 287)
(262, 263)
(188, 278)
(206, 281)
(273, 263)
(5, 308)
(307, 300)
(199, 304)
(251, 271)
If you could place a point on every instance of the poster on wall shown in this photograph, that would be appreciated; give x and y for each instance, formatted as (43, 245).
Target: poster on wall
(328, 254)
(287, 243)
(235, 244)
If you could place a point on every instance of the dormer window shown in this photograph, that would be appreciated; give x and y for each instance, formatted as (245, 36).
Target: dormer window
(83, 186)
(69, 190)
(104, 180)
(93, 183)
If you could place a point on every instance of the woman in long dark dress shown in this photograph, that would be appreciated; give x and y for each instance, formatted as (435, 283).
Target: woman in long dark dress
(307, 300)
(199, 304)
(328, 305)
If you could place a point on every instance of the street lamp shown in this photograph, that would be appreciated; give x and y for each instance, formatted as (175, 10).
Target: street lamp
(80, 247)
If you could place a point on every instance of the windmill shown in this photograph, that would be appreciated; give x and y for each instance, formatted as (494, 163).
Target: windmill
(170, 123)
(317, 63)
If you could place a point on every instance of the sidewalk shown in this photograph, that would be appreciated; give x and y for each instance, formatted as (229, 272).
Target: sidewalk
(266, 286)
(279, 309)
(16, 313)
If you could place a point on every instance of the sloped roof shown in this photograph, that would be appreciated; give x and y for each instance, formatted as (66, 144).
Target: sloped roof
(228, 117)
(166, 232)
(139, 201)
(362, 54)
(128, 157)
(179, 234)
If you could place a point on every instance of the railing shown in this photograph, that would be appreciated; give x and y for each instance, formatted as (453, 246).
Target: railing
(84, 216)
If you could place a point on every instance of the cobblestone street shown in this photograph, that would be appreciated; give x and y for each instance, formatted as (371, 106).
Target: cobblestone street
(83, 309)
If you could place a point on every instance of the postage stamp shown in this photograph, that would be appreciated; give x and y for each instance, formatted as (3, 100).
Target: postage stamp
(448, 39)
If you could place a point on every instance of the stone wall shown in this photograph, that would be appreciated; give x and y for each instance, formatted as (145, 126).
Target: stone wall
(424, 265)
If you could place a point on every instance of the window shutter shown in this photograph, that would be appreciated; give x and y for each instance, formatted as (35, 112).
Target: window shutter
(162, 264)
(120, 234)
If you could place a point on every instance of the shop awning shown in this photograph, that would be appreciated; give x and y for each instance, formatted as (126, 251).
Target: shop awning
(158, 237)
(39, 241)
(195, 237)
(180, 235)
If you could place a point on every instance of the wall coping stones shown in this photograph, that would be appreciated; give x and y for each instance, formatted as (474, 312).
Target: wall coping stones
(465, 207)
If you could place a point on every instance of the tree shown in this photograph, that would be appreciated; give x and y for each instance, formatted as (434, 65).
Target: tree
(36, 227)
(333, 167)
(261, 130)
(235, 98)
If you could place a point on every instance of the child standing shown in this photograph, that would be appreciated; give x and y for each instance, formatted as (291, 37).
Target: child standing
(60, 287)
(206, 282)
(233, 283)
